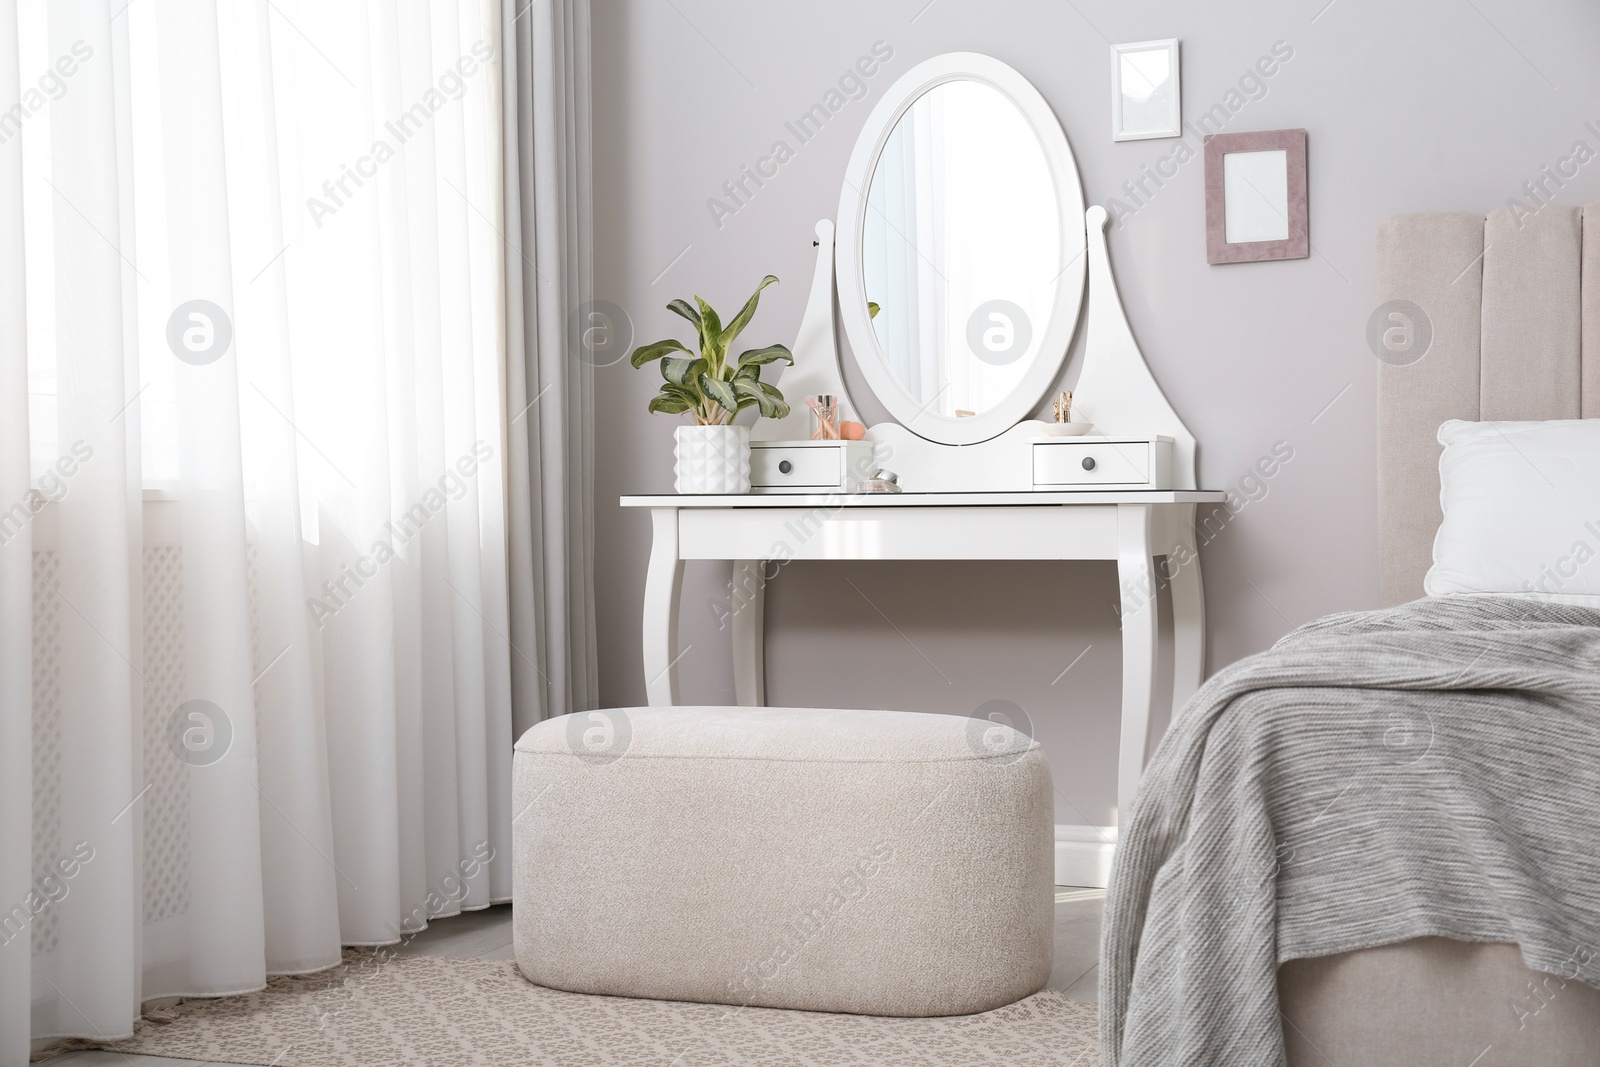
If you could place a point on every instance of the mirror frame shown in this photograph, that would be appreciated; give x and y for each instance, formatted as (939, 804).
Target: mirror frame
(1054, 340)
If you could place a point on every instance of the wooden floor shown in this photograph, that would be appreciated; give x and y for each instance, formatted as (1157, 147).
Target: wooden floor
(486, 935)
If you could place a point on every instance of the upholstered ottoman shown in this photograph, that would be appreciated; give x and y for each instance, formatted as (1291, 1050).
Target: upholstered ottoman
(878, 862)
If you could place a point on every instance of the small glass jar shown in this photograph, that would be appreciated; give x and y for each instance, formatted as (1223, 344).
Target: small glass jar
(826, 414)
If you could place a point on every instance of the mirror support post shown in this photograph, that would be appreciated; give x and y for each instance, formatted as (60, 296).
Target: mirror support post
(1115, 389)
(816, 353)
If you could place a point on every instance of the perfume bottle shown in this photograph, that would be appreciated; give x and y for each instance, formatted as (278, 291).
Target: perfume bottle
(826, 414)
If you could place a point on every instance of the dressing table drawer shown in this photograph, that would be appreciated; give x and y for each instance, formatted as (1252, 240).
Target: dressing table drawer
(1066, 463)
(808, 466)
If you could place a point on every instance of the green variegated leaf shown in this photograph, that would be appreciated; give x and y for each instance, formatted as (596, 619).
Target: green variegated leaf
(741, 320)
(872, 310)
(762, 356)
(681, 307)
(777, 398)
(708, 318)
(666, 404)
(646, 353)
(752, 391)
(720, 391)
(711, 345)
(690, 395)
(682, 372)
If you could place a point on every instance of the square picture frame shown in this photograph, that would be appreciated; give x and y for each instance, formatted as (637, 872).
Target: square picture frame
(1146, 90)
(1257, 206)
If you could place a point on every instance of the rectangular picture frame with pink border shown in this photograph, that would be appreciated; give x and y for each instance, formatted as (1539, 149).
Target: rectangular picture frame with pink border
(1298, 243)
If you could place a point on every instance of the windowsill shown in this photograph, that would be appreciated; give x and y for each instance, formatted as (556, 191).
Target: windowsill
(158, 491)
(162, 519)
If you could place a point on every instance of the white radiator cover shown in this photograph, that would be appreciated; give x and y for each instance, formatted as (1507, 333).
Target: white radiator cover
(164, 809)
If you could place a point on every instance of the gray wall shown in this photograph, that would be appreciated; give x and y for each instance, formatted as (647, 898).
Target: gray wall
(1409, 107)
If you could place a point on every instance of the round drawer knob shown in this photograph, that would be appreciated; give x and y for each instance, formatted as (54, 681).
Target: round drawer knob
(1088, 463)
(784, 466)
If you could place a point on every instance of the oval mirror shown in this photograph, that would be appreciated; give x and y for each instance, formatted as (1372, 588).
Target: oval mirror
(961, 241)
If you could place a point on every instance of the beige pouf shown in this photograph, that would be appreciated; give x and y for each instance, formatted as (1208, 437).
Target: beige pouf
(878, 862)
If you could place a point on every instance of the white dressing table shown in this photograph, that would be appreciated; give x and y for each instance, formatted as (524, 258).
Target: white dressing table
(757, 531)
(966, 263)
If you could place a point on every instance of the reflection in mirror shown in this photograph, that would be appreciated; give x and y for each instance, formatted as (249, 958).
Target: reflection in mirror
(961, 248)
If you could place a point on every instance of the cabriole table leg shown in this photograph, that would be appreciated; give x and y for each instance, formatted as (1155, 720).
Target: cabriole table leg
(661, 586)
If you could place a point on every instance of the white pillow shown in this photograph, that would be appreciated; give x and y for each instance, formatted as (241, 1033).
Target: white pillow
(1521, 507)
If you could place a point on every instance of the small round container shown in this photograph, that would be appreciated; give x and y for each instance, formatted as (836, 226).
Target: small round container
(883, 481)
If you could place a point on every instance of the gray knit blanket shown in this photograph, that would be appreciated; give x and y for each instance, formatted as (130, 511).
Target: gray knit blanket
(1427, 770)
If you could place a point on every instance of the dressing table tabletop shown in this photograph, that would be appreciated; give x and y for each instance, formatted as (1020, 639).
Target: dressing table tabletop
(755, 530)
(875, 500)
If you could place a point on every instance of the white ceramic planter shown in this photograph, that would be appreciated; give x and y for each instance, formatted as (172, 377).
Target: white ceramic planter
(712, 459)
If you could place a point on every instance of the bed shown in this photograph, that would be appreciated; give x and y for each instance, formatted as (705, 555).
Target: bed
(1391, 852)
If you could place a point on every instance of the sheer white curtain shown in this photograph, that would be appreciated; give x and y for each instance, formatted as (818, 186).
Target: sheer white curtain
(255, 676)
(16, 578)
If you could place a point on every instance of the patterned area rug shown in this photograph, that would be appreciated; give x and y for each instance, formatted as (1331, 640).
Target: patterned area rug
(426, 1010)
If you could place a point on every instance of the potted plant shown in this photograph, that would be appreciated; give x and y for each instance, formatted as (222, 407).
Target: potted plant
(713, 455)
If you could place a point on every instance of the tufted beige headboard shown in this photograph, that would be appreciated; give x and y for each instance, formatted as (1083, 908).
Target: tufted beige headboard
(1513, 306)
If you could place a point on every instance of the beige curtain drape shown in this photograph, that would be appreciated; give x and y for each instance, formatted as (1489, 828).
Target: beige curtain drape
(549, 383)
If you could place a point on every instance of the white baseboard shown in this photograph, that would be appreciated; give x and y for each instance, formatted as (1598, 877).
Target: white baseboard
(1083, 855)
